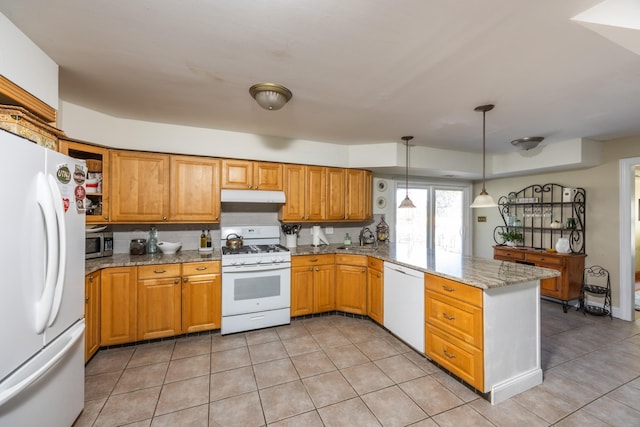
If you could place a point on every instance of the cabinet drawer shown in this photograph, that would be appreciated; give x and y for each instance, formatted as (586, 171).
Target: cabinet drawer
(544, 259)
(375, 263)
(464, 321)
(453, 289)
(159, 271)
(359, 260)
(311, 260)
(195, 268)
(459, 358)
(506, 254)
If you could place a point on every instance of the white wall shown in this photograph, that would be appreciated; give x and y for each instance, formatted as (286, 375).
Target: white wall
(26, 65)
(637, 207)
(602, 213)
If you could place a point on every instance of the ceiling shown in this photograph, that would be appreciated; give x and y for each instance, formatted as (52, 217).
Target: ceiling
(361, 71)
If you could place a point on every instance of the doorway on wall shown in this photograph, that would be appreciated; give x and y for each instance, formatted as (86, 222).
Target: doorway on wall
(629, 209)
(437, 226)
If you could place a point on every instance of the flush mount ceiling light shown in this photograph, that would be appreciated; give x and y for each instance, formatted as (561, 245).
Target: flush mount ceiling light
(407, 203)
(270, 96)
(528, 142)
(484, 200)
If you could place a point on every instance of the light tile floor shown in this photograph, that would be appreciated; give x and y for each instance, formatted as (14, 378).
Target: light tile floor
(340, 371)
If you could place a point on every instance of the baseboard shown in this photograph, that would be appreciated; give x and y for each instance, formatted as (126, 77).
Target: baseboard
(512, 386)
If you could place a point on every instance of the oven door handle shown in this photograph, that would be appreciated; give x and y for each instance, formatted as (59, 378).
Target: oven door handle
(255, 268)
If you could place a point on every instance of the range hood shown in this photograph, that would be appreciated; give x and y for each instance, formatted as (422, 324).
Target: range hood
(252, 196)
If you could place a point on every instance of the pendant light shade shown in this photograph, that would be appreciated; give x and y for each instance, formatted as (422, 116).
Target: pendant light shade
(484, 200)
(270, 96)
(407, 203)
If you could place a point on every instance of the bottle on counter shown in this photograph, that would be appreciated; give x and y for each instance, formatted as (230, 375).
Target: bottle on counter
(203, 240)
(208, 239)
(152, 243)
(347, 239)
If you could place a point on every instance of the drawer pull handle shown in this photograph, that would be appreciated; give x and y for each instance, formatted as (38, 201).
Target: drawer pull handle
(449, 355)
(448, 289)
(313, 260)
(448, 317)
(159, 271)
(379, 274)
(201, 268)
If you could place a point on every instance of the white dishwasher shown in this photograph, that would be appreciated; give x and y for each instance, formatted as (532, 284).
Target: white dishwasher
(404, 304)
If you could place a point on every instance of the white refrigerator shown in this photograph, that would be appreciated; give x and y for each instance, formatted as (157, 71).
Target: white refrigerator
(41, 285)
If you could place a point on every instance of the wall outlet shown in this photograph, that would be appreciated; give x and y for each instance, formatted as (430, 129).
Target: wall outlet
(328, 230)
(482, 219)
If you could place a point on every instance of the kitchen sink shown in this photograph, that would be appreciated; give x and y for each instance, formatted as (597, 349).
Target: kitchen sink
(358, 248)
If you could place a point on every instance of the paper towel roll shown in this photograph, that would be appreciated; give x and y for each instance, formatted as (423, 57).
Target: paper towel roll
(318, 236)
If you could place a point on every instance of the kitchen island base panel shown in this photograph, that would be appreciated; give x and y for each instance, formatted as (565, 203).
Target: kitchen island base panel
(512, 339)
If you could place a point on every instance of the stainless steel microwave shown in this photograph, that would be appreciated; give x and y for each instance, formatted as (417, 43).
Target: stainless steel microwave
(98, 245)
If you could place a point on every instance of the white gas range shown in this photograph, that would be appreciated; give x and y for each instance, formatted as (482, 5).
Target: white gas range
(256, 279)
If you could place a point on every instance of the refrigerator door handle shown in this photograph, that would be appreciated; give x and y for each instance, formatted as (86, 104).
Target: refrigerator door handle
(44, 303)
(24, 377)
(62, 257)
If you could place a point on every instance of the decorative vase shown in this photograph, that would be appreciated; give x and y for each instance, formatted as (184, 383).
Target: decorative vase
(511, 243)
(562, 245)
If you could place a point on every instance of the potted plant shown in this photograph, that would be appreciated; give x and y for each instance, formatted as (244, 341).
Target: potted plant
(511, 237)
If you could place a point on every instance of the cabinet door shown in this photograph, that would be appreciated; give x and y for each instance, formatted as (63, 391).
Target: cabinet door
(351, 289)
(324, 288)
(301, 290)
(97, 163)
(118, 305)
(267, 176)
(553, 286)
(237, 174)
(91, 314)
(195, 189)
(140, 187)
(336, 193)
(295, 190)
(201, 303)
(159, 308)
(368, 195)
(375, 294)
(316, 201)
(355, 209)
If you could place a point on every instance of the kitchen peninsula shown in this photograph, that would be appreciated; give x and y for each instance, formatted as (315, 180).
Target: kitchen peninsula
(480, 318)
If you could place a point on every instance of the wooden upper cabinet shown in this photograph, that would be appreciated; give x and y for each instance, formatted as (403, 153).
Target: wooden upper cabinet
(195, 189)
(358, 195)
(305, 191)
(316, 200)
(97, 159)
(336, 178)
(295, 189)
(267, 176)
(249, 175)
(140, 186)
(237, 174)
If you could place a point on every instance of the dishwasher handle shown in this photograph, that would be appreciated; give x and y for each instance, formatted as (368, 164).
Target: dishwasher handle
(406, 271)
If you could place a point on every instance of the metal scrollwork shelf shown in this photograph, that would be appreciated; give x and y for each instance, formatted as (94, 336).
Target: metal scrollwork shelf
(543, 214)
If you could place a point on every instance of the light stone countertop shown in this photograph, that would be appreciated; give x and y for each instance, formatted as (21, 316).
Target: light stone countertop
(479, 272)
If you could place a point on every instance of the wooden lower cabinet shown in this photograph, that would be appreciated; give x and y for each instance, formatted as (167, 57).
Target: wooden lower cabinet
(351, 283)
(91, 314)
(201, 296)
(454, 328)
(566, 287)
(159, 301)
(312, 284)
(375, 290)
(118, 305)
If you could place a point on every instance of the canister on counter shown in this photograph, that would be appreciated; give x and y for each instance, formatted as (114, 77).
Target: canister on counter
(138, 247)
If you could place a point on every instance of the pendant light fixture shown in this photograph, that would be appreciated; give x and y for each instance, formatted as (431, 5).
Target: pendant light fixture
(270, 96)
(407, 203)
(484, 200)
